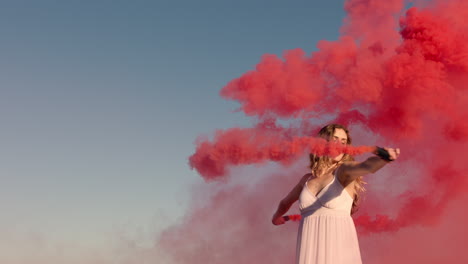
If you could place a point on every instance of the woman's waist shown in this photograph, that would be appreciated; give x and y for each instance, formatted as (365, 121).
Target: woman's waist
(322, 210)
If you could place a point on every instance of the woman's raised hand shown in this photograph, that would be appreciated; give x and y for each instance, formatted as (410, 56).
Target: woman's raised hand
(393, 153)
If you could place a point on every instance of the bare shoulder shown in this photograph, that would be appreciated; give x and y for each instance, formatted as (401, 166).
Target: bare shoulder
(346, 165)
(350, 163)
(294, 194)
(306, 177)
(342, 171)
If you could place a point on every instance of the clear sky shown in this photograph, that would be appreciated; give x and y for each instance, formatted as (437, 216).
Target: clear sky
(101, 102)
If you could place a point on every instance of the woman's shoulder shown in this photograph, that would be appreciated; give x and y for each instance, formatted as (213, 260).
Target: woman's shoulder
(306, 177)
(348, 164)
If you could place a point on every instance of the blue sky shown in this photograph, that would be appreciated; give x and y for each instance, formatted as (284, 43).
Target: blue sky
(101, 102)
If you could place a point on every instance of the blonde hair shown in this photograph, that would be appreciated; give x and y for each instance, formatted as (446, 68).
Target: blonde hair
(320, 165)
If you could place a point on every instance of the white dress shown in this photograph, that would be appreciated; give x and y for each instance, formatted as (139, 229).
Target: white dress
(327, 234)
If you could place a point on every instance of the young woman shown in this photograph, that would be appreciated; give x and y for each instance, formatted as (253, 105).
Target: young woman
(327, 198)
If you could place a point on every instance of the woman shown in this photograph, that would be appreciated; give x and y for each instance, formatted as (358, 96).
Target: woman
(327, 198)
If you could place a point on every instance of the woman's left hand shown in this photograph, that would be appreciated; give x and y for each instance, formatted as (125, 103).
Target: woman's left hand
(393, 152)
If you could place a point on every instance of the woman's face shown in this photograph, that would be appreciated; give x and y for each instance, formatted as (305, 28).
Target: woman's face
(339, 136)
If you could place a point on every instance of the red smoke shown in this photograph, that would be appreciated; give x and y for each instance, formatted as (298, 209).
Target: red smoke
(405, 87)
(295, 217)
(248, 146)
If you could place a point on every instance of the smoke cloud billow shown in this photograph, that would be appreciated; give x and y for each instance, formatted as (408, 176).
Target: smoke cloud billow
(396, 75)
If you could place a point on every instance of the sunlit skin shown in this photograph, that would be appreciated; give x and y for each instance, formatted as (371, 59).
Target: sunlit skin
(347, 173)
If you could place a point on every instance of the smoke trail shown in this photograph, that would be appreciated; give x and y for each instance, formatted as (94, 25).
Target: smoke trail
(406, 87)
(248, 146)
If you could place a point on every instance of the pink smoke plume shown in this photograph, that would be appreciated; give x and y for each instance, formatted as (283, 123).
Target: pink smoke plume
(250, 146)
(400, 76)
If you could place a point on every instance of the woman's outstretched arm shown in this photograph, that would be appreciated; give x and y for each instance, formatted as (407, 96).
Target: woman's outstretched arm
(352, 170)
(288, 201)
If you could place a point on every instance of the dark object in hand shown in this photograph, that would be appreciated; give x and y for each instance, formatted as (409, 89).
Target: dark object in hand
(383, 154)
